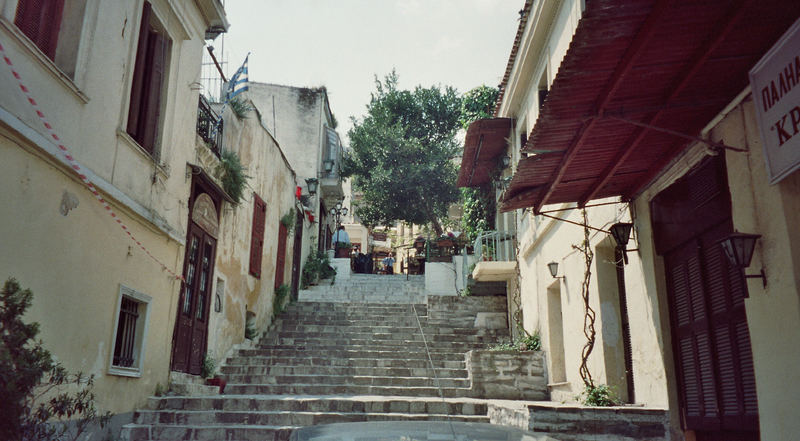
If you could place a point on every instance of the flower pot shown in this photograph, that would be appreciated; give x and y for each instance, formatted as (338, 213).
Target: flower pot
(343, 252)
(444, 243)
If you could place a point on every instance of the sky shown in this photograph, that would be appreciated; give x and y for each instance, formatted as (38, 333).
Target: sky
(343, 44)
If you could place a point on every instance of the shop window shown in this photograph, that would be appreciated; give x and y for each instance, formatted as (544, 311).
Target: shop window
(149, 78)
(257, 235)
(129, 333)
(55, 27)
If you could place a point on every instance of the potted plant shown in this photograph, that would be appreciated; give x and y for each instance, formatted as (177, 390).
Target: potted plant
(208, 371)
(446, 240)
(343, 249)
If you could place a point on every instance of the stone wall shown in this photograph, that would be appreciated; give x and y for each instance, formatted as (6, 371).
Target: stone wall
(510, 375)
(462, 311)
(574, 422)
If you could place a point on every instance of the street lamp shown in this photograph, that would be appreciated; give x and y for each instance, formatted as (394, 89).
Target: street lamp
(337, 212)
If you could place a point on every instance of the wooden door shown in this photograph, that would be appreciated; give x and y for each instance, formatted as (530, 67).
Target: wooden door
(296, 254)
(190, 336)
(710, 336)
(192, 322)
(280, 260)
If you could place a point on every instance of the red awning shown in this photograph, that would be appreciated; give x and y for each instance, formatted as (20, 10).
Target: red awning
(486, 139)
(635, 67)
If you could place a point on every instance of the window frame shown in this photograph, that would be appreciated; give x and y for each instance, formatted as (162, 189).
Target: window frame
(140, 342)
(257, 233)
(144, 119)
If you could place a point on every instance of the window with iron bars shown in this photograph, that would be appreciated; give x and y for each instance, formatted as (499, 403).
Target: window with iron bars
(129, 338)
(126, 333)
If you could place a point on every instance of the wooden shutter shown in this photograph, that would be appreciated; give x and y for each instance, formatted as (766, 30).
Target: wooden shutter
(692, 337)
(280, 261)
(137, 85)
(257, 237)
(40, 20)
(151, 102)
(711, 339)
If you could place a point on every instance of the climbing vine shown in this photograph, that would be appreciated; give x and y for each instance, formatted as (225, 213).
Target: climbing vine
(589, 314)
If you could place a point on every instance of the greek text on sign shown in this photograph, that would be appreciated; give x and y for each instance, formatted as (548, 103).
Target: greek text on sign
(775, 82)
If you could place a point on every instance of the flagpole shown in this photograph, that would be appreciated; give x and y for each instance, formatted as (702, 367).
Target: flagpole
(240, 77)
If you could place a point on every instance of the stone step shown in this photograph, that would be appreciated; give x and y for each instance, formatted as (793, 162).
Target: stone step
(354, 319)
(354, 297)
(340, 389)
(376, 343)
(331, 306)
(232, 372)
(350, 353)
(387, 335)
(357, 404)
(348, 380)
(305, 328)
(321, 361)
(375, 346)
(283, 418)
(158, 432)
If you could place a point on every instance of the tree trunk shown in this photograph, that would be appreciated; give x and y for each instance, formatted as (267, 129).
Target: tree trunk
(431, 217)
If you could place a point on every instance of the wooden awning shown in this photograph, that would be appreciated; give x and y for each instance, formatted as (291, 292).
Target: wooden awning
(634, 69)
(486, 140)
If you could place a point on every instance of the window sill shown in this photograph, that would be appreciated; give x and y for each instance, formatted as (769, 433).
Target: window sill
(43, 59)
(124, 372)
(163, 169)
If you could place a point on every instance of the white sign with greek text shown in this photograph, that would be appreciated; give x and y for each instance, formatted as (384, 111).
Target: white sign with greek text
(775, 82)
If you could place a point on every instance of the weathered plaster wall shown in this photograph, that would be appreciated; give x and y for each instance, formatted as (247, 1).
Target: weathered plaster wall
(274, 181)
(76, 263)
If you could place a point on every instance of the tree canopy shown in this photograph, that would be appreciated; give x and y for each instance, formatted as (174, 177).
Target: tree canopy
(401, 154)
(477, 103)
(479, 202)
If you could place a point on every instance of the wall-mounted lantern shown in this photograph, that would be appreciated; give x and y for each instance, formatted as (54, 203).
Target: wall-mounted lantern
(328, 165)
(738, 248)
(312, 183)
(553, 267)
(622, 232)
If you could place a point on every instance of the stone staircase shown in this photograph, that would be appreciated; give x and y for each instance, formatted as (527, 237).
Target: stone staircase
(394, 289)
(356, 356)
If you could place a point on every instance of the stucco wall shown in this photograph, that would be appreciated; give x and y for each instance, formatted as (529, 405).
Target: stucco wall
(274, 181)
(549, 240)
(75, 264)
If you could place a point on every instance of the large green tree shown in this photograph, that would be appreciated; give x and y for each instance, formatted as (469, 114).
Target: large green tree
(401, 154)
(478, 202)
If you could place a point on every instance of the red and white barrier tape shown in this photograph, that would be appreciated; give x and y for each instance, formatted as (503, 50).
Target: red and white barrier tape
(75, 166)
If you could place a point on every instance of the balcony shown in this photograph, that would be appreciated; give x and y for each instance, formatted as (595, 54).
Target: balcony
(496, 253)
(207, 129)
(331, 178)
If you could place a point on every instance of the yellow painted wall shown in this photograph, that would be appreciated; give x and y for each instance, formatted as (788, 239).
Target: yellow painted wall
(75, 264)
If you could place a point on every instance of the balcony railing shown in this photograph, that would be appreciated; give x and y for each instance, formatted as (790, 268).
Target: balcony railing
(209, 126)
(496, 246)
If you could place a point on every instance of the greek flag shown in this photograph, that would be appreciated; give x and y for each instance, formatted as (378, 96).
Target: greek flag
(238, 83)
